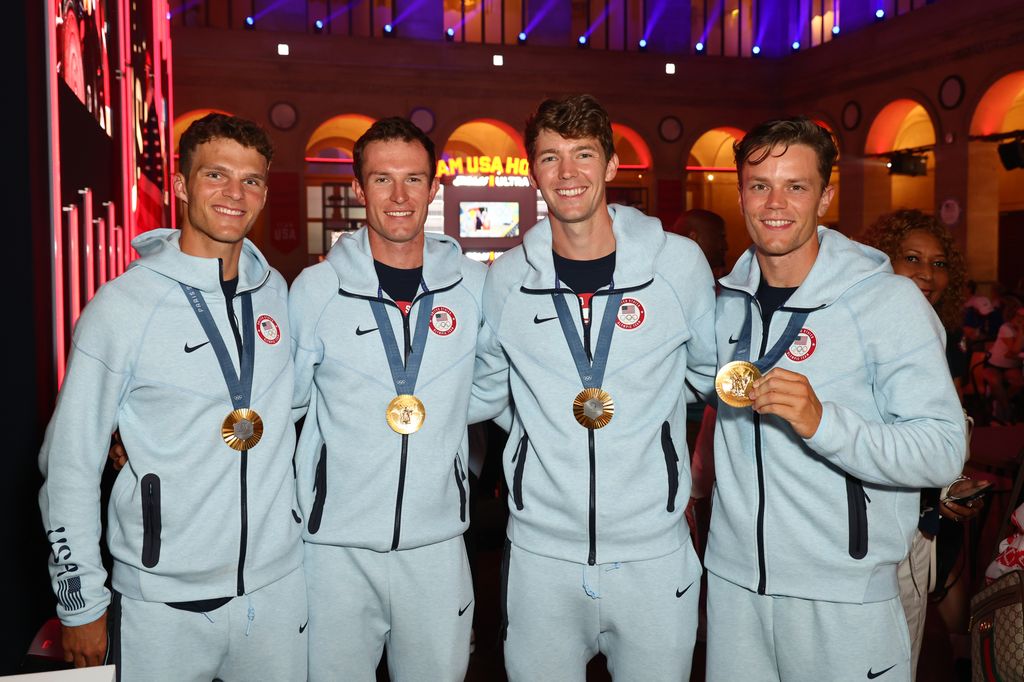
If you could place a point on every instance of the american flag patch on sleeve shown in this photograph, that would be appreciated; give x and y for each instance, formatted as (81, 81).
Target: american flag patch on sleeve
(69, 593)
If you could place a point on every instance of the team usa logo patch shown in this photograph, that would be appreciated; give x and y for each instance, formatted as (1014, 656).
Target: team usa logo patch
(442, 321)
(268, 330)
(803, 346)
(631, 314)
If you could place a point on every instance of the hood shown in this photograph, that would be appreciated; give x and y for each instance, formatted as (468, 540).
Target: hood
(639, 239)
(841, 263)
(352, 259)
(160, 251)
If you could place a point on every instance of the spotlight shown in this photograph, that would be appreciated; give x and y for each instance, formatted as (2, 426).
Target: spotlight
(250, 22)
(756, 49)
(907, 164)
(879, 14)
(389, 30)
(168, 16)
(498, 60)
(835, 30)
(795, 46)
(318, 25)
(699, 47)
(582, 40)
(449, 34)
(642, 44)
(283, 49)
(1012, 154)
(521, 37)
(670, 68)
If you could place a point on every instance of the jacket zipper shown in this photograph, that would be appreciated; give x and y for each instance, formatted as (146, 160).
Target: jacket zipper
(762, 578)
(243, 465)
(405, 437)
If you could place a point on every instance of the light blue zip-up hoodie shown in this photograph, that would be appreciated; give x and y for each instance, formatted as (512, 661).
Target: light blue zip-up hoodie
(360, 484)
(619, 497)
(189, 518)
(829, 517)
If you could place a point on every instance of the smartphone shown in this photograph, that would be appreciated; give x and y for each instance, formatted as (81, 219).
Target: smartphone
(970, 493)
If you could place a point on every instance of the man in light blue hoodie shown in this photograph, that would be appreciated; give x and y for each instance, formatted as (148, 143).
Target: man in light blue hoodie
(384, 337)
(595, 323)
(820, 463)
(183, 354)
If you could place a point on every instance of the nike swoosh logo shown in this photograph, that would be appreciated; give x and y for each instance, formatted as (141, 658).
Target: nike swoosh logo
(192, 349)
(732, 340)
(302, 628)
(463, 609)
(872, 675)
(680, 594)
(537, 319)
(360, 332)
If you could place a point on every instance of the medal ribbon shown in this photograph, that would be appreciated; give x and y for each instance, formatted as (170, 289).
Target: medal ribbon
(239, 385)
(789, 334)
(591, 372)
(404, 375)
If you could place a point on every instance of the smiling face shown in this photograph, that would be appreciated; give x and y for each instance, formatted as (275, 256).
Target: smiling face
(922, 259)
(571, 175)
(224, 192)
(781, 199)
(397, 189)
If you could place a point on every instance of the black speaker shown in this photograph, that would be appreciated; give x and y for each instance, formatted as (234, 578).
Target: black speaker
(908, 164)
(1012, 154)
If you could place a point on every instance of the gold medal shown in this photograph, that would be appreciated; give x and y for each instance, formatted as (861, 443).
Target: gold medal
(406, 414)
(242, 429)
(734, 381)
(593, 408)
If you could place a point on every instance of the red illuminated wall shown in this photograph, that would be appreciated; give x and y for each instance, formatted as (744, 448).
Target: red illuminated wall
(109, 107)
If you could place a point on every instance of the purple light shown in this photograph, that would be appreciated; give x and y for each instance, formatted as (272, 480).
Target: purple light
(582, 40)
(795, 45)
(879, 13)
(756, 49)
(835, 30)
(699, 47)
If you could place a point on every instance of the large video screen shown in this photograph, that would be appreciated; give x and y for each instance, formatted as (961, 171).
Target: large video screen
(489, 219)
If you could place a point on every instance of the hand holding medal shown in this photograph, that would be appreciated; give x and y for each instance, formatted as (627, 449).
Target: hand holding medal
(788, 395)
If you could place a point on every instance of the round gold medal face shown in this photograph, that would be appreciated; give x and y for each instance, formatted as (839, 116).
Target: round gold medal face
(406, 414)
(593, 408)
(242, 429)
(734, 381)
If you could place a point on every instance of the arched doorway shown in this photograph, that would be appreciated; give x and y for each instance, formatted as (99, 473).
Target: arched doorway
(900, 160)
(711, 184)
(995, 207)
(331, 205)
(631, 186)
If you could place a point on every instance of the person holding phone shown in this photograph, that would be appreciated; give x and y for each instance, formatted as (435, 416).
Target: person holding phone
(922, 250)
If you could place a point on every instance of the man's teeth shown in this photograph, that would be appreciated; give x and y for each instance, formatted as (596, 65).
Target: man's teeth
(776, 223)
(228, 211)
(574, 192)
(398, 214)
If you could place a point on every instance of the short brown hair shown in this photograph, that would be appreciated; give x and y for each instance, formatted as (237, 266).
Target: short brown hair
(392, 128)
(222, 127)
(574, 117)
(887, 234)
(761, 142)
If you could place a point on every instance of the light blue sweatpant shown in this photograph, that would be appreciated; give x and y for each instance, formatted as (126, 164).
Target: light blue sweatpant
(417, 602)
(763, 638)
(258, 636)
(642, 615)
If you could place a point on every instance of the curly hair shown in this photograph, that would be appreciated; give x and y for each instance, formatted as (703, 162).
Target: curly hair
(222, 127)
(574, 117)
(887, 234)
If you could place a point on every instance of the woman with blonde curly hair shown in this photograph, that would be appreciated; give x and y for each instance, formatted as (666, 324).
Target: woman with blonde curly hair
(923, 250)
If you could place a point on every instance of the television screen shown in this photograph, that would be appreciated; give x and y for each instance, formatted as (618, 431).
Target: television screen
(489, 219)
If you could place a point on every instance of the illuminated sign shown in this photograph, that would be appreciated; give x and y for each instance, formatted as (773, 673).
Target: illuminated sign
(490, 181)
(483, 165)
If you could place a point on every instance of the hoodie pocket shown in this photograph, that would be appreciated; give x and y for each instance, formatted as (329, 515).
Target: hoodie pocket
(517, 475)
(671, 465)
(319, 491)
(857, 503)
(460, 480)
(150, 520)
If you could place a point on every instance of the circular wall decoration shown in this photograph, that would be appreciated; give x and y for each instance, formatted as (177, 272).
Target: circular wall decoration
(283, 116)
(951, 92)
(423, 119)
(670, 129)
(851, 115)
